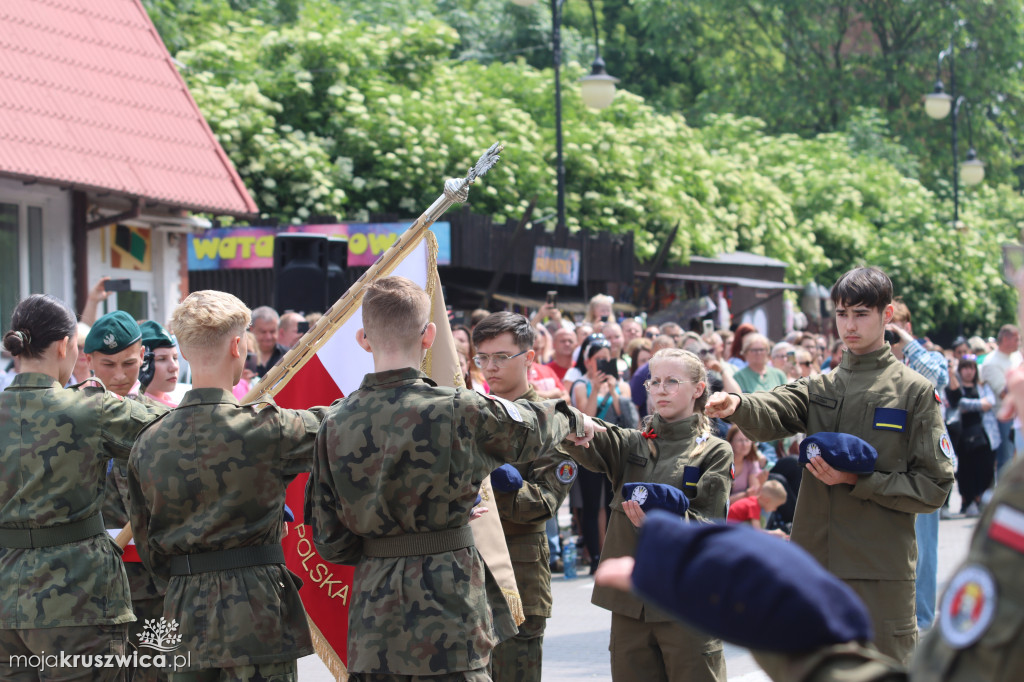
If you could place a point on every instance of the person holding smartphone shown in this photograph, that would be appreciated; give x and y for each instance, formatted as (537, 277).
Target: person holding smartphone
(596, 394)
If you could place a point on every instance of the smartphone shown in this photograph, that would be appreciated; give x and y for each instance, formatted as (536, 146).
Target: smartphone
(791, 357)
(302, 327)
(892, 338)
(709, 327)
(118, 285)
(552, 298)
(608, 367)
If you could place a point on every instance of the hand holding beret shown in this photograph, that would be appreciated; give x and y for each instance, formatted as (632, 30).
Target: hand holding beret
(841, 451)
(657, 496)
(506, 479)
(745, 586)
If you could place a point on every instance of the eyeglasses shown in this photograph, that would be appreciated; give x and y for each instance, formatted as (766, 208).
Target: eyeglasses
(670, 385)
(806, 364)
(757, 350)
(499, 359)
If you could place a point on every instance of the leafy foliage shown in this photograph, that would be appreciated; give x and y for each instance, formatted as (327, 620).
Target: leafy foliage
(330, 113)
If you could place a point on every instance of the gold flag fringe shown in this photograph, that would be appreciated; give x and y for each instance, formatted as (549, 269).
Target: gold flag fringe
(327, 653)
(515, 604)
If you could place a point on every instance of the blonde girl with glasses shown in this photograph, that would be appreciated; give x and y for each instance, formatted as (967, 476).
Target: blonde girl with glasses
(675, 440)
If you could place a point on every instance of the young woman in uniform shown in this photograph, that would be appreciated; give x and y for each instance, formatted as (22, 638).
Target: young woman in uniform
(62, 587)
(646, 644)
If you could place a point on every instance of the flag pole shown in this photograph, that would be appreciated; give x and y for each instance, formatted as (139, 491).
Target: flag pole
(456, 190)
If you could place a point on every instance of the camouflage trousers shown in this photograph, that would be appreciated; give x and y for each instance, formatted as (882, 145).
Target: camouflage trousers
(278, 671)
(519, 659)
(479, 675)
(145, 609)
(42, 655)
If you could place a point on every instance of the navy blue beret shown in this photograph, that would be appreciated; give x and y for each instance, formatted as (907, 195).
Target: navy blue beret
(745, 586)
(653, 496)
(841, 451)
(506, 479)
(288, 515)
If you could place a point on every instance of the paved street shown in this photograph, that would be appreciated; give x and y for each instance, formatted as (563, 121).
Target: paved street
(576, 643)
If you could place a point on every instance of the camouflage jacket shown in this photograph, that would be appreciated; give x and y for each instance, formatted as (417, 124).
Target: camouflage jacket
(141, 583)
(404, 456)
(625, 456)
(54, 447)
(546, 482)
(211, 475)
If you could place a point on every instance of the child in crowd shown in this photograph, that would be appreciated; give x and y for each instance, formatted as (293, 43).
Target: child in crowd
(756, 509)
(398, 468)
(675, 440)
(207, 487)
(749, 472)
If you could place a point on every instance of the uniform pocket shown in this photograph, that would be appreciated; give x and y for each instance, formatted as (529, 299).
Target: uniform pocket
(524, 554)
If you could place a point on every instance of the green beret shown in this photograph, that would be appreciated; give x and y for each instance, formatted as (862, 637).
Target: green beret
(154, 336)
(112, 333)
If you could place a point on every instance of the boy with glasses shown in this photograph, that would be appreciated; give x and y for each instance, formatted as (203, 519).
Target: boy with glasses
(528, 492)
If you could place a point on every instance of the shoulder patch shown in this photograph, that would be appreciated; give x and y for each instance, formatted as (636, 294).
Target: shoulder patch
(938, 398)
(566, 471)
(946, 445)
(509, 406)
(1007, 527)
(968, 606)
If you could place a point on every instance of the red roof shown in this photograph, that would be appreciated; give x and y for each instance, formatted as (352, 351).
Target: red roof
(89, 98)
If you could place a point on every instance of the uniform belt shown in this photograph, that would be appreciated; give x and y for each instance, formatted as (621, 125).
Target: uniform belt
(419, 544)
(32, 538)
(226, 559)
(513, 528)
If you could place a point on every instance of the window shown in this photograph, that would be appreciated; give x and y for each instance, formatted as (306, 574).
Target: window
(10, 272)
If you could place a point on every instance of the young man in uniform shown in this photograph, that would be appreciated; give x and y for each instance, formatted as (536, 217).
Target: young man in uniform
(398, 468)
(116, 347)
(207, 486)
(861, 528)
(527, 494)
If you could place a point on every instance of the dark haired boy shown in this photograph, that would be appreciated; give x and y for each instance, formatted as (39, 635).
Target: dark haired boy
(398, 468)
(861, 528)
(527, 492)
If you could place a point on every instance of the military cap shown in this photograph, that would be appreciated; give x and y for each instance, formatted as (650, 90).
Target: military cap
(841, 451)
(112, 333)
(745, 586)
(653, 496)
(155, 336)
(506, 479)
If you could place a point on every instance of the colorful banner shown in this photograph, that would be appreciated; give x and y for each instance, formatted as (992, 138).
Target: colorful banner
(234, 248)
(552, 265)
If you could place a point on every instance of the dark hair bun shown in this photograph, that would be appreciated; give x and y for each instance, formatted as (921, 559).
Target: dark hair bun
(17, 341)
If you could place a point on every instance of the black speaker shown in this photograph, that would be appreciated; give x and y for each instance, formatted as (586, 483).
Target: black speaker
(337, 261)
(300, 272)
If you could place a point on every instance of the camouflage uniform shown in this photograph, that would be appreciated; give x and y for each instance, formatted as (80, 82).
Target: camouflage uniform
(398, 467)
(147, 590)
(524, 514)
(54, 447)
(211, 476)
(646, 644)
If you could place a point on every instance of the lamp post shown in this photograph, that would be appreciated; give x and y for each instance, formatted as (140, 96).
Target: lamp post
(597, 90)
(938, 104)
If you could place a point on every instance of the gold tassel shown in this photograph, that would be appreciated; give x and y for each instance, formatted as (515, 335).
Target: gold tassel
(326, 653)
(515, 604)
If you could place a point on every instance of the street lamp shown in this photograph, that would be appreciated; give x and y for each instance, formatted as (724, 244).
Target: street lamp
(597, 90)
(938, 104)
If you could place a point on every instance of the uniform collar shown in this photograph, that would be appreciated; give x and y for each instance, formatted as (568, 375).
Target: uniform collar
(207, 396)
(393, 378)
(531, 395)
(877, 359)
(675, 430)
(33, 380)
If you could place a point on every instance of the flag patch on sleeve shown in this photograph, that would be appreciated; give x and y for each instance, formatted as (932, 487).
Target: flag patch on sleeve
(1007, 527)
